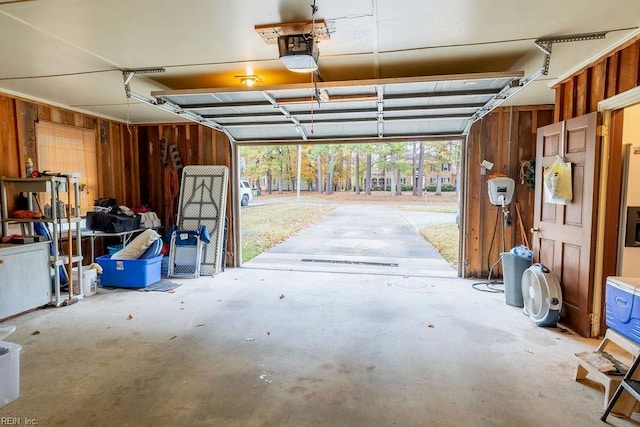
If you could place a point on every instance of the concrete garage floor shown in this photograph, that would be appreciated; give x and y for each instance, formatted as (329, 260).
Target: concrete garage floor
(255, 347)
(285, 342)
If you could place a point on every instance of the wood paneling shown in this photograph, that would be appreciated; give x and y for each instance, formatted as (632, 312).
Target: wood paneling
(196, 145)
(581, 96)
(11, 160)
(128, 157)
(26, 116)
(628, 68)
(489, 139)
(598, 79)
(615, 73)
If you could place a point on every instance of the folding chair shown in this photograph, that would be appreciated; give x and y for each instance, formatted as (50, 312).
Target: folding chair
(185, 251)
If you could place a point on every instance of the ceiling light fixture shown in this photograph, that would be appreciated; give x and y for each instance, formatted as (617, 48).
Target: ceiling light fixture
(248, 80)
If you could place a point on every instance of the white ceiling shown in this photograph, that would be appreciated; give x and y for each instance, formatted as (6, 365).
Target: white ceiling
(70, 52)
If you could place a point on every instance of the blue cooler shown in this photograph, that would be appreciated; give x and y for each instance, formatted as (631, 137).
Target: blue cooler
(622, 306)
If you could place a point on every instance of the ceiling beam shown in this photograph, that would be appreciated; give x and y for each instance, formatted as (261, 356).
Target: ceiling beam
(270, 32)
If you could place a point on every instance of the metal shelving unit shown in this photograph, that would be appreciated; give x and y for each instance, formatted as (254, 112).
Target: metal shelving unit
(53, 186)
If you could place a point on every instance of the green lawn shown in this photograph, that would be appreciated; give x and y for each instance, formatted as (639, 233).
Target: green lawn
(444, 237)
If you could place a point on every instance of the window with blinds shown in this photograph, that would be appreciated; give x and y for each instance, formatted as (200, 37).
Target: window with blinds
(68, 149)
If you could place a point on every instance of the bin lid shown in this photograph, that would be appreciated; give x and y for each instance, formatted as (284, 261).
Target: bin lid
(630, 284)
(6, 331)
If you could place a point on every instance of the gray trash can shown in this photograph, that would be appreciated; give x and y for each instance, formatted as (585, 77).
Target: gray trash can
(513, 266)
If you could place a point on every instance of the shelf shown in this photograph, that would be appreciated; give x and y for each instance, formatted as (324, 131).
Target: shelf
(45, 184)
(60, 227)
(59, 221)
(63, 259)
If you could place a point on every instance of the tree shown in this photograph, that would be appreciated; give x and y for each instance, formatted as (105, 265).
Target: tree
(419, 181)
(259, 162)
(357, 170)
(333, 155)
(417, 178)
(333, 167)
(393, 151)
(319, 172)
(367, 150)
(440, 153)
(367, 187)
(309, 169)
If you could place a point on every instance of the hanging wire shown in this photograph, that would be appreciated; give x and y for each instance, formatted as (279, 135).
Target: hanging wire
(492, 286)
(312, 101)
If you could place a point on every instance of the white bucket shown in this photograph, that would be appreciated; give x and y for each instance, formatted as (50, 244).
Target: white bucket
(89, 280)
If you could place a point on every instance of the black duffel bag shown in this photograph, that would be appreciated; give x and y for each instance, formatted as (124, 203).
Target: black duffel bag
(106, 205)
(112, 223)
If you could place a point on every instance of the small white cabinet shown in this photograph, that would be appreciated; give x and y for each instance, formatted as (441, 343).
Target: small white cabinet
(25, 281)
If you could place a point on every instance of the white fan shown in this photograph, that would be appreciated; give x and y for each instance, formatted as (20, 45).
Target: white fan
(541, 295)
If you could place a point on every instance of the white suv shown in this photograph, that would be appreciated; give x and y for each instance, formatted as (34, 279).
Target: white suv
(245, 192)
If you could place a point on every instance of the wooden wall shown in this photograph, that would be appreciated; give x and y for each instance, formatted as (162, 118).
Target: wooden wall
(18, 120)
(577, 95)
(129, 165)
(197, 145)
(615, 73)
(489, 139)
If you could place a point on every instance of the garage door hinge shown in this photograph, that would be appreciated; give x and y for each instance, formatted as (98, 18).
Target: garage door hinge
(603, 130)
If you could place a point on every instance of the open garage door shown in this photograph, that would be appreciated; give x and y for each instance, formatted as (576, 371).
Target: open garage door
(364, 110)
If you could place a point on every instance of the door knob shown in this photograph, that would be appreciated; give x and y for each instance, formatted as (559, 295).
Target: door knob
(535, 230)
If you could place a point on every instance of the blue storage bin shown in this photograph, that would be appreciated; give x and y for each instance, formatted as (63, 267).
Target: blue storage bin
(165, 265)
(622, 306)
(129, 273)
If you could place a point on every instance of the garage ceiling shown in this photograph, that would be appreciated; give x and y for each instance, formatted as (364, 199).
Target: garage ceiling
(391, 68)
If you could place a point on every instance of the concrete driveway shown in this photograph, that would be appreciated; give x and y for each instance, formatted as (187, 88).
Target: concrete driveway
(372, 239)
